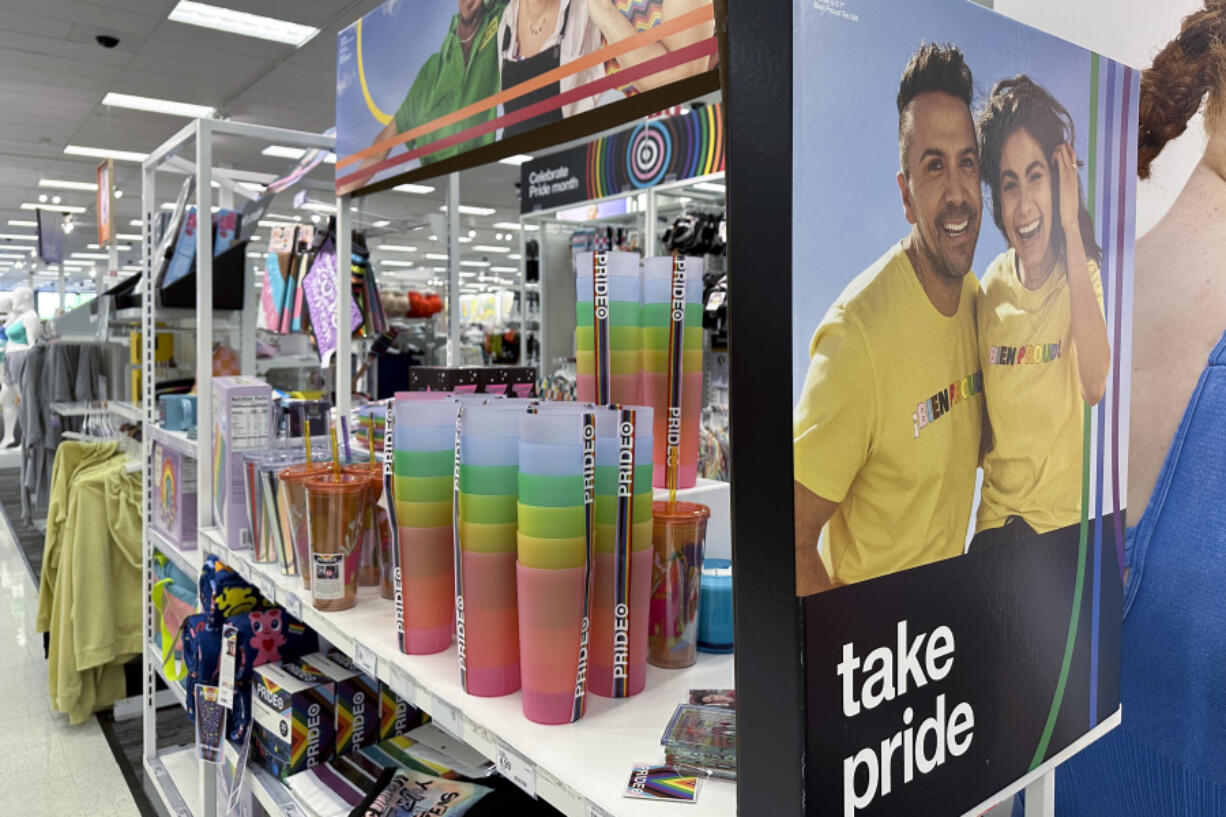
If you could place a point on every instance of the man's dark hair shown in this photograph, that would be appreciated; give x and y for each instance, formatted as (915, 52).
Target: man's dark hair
(933, 68)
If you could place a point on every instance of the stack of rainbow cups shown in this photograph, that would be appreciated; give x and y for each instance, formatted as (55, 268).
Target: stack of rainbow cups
(486, 616)
(684, 354)
(608, 286)
(423, 472)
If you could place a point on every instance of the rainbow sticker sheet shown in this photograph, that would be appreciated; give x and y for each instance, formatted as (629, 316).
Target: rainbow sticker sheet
(649, 781)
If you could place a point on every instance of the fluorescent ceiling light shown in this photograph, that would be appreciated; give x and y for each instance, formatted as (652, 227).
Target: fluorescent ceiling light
(255, 255)
(532, 228)
(504, 269)
(711, 187)
(254, 187)
(437, 256)
(474, 263)
(256, 238)
(470, 210)
(153, 105)
(396, 247)
(129, 236)
(101, 256)
(319, 207)
(393, 263)
(514, 256)
(286, 152)
(132, 268)
(8, 257)
(490, 248)
(517, 159)
(17, 222)
(464, 239)
(240, 22)
(66, 185)
(468, 275)
(136, 222)
(380, 223)
(506, 225)
(120, 247)
(106, 153)
(282, 217)
(56, 208)
(420, 189)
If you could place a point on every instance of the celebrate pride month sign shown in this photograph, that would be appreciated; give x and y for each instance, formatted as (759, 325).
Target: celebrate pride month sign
(962, 257)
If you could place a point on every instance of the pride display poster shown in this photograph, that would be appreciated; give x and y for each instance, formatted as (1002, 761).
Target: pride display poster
(963, 228)
(427, 88)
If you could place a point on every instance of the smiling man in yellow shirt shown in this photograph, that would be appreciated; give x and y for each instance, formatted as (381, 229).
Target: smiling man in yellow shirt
(886, 433)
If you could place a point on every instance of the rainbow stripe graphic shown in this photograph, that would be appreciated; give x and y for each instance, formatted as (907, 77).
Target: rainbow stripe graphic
(676, 348)
(623, 538)
(662, 783)
(600, 326)
(169, 491)
(344, 724)
(676, 147)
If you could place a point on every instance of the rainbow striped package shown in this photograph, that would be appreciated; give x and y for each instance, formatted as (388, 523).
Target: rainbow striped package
(174, 496)
(396, 715)
(293, 704)
(357, 700)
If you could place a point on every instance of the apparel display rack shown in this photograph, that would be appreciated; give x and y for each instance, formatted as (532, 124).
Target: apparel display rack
(580, 769)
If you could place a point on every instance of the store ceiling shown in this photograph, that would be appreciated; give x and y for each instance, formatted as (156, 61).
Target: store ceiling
(53, 76)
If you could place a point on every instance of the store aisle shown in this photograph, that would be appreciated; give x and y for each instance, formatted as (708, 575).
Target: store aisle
(51, 769)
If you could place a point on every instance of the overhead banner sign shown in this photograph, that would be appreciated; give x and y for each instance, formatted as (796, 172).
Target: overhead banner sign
(963, 227)
(105, 195)
(666, 149)
(419, 84)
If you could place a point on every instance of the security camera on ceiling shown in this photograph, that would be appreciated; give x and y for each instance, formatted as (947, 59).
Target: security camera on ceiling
(107, 41)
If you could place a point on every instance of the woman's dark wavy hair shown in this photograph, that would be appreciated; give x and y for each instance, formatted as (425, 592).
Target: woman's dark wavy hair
(1187, 69)
(1021, 103)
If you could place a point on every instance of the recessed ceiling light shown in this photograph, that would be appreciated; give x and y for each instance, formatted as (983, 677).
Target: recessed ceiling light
(101, 256)
(395, 263)
(437, 256)
(420, 189)
(504, 269)
(57, 208)
(106, 153)
(490, 248)
(711, 187)
(56, 199)
(241, 22)
(118, 193)
(17, 222)
(153, 105)
(396, 247)
(42, 197)
(474, 263)
(67, 185)
(129, 236)
(470, 210)
(517, 159)
(506, 225)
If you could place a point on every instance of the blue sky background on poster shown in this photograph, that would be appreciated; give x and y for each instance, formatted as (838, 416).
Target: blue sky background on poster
(846, 130)
(392, 61)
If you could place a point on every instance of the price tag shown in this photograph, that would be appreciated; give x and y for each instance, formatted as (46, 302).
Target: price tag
(593, 810)
(515, 767)
(267, 586)
(160, 771)
(448, 717)
(403, 684)
(290, 809)
(293, 605)
(366, 659)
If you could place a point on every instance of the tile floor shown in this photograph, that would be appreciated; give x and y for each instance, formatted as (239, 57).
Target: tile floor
(51, 768)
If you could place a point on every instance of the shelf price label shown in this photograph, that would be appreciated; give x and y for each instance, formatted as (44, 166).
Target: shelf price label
(593, 810)
(515, 767)
(366, 659)
(290, 809)
(448, 717)
(267, 586)
(293, 605)
(404, 685)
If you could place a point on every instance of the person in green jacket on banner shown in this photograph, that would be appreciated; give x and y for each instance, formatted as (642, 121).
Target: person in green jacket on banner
(464, 70)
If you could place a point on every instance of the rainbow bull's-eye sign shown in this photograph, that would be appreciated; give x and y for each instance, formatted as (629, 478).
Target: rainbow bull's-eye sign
(421, 85)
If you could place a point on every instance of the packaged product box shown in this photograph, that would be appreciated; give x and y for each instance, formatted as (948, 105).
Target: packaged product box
(174, 496)
(293, 706)
(397, 716)
(242, 421)
(521, 381)
(493, 380)
(357, 700)
(459, 379)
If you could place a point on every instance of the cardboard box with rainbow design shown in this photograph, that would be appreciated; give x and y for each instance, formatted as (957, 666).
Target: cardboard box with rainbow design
(357, 700)
(295, 719)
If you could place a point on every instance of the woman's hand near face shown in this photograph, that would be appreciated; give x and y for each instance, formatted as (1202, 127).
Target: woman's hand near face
(1065, 161)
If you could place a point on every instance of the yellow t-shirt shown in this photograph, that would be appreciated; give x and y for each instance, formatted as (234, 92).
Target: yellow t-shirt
(1034, 399)
(889, 422)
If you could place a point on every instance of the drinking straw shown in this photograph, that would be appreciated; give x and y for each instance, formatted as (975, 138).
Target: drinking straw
(336, 455)
(676, 340)
(306, 431)
(370, 438)
(345, 437)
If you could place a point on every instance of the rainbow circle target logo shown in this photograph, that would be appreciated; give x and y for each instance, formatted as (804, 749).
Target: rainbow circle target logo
(650, 154)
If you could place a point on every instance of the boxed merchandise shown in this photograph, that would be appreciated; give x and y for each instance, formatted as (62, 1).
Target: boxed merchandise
(492, 380)
(242, 415)
(315, 411)
(397, 716)
(293, 704)
(358, 700)
(459, 379)
(174, 496)
(521, 381)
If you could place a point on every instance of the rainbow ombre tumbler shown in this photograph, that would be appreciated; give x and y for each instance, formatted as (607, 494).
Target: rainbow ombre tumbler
(608, 338)
(557, 476)
(423, 467)
(487, 621)
(672, 362)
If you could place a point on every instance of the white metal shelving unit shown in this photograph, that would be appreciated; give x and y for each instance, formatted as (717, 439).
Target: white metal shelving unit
(186, 785)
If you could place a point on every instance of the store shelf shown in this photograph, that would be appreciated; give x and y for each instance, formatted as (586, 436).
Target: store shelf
(167, 319)
(189, 561)
(128, 411)
(175, 440)
(266, 364)
(175, 776)
(580, 768)
(176, 688)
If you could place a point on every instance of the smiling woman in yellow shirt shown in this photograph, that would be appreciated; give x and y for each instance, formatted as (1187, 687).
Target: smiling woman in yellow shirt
(1042, 332)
